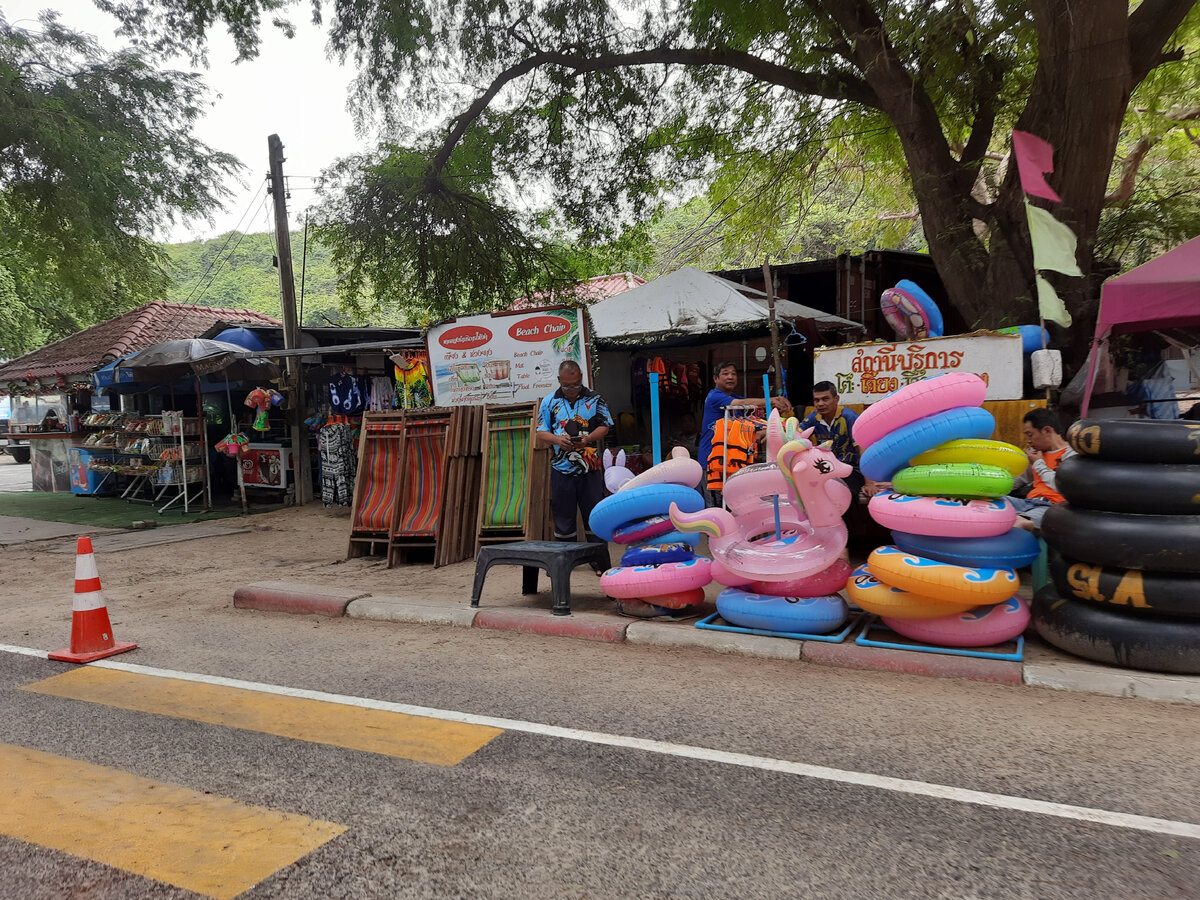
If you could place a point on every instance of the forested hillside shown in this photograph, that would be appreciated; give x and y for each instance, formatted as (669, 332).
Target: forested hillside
(238, 270)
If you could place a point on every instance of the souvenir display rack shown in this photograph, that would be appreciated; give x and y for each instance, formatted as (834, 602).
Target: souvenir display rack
(162, 457)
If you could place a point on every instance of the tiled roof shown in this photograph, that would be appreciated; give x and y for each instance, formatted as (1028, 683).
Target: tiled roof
(591, 291)
(94, 347)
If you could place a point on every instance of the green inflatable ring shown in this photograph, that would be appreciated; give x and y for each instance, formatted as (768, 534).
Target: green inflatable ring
(960, 481)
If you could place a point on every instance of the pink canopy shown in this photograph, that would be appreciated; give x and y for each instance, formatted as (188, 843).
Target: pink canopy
(1163, 293)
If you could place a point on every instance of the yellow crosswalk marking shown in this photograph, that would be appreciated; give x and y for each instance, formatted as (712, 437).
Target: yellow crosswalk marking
(418, 738)
(211, 845)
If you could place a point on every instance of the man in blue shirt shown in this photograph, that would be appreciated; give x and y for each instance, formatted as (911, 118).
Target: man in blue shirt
(721, 396)
(835, 424)
(573, 420)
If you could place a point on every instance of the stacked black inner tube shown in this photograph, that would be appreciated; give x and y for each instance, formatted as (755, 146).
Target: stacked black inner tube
(1125, 547)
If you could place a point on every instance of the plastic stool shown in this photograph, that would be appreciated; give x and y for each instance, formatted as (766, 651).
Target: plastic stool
(558, 559)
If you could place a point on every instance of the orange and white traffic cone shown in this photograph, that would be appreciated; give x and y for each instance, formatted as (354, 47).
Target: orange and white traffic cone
(91, 632)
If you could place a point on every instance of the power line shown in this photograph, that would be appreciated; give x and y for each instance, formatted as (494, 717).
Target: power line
(228, 238)
(232, 251)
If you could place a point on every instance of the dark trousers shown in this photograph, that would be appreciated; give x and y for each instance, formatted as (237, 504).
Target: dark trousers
(569, 493)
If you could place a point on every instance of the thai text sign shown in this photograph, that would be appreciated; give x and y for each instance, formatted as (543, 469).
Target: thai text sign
(864, 373)
(504, 357)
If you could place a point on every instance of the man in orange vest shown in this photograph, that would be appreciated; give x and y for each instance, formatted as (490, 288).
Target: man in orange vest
(1046, 450)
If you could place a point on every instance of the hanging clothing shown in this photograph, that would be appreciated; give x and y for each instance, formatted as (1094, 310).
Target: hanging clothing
(734, 449)
(338, 464)
(412, 381)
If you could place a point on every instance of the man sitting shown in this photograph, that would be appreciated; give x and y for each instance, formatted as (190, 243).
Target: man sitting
(1046, 450)
(834, 423)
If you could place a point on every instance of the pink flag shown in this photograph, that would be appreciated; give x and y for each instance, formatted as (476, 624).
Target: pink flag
(1035, 157)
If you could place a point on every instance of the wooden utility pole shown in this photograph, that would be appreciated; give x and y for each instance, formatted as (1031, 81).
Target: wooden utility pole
(769, 285)
(294, 375)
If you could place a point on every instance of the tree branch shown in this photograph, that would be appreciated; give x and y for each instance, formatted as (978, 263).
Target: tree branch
(833, 87)
(1149, 27)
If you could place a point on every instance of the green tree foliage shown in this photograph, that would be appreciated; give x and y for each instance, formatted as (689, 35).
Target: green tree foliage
(96, 152)
(599, 112)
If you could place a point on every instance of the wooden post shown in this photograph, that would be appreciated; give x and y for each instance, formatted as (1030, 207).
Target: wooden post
(769, 285)
(294, 376)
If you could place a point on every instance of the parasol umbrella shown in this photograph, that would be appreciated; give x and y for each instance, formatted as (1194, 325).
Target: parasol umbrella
(195, 356)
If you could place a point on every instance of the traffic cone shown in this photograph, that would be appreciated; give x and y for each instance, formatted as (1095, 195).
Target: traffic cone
(91, 632)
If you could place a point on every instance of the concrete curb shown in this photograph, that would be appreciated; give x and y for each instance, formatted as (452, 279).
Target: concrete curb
(397, 609)
(1095, 679)
(589, 626)
(852, 656)
(686, 635)
(1041, 668)
(289, 597)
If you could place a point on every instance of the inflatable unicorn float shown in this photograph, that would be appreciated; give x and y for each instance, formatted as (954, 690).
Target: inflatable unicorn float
(782, 537)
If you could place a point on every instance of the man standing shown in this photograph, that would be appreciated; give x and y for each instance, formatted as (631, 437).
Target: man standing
(721, 396)
(1046, 450)
(574, 421)
(832, 422)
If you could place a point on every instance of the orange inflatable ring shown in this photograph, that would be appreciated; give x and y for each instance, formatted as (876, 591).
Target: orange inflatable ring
(942, 581)
(868, 592)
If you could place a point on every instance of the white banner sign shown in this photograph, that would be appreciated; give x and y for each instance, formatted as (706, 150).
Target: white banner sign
(505, 357)
(864, 373)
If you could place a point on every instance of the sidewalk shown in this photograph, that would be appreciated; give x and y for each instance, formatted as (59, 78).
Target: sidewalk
(595, 619)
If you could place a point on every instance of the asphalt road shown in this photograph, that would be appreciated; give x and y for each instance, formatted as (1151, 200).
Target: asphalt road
(607, 771)
(14, 476)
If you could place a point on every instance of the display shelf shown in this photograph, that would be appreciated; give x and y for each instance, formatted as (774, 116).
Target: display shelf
(163, 457)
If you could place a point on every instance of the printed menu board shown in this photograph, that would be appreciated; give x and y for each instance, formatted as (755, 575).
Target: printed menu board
(507, 357)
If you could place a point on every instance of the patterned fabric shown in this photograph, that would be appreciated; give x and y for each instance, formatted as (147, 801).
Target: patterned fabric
(412, 382)
(424, 450)
(840, 432)
(589, 411)
(338, 463)
(505, 477)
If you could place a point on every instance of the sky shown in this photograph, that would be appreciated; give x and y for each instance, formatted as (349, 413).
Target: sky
(291, 89)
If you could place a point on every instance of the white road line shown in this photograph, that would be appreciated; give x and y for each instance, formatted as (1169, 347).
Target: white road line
(686, 751)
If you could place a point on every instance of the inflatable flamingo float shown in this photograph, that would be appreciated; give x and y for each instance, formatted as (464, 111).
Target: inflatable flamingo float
(811, 535)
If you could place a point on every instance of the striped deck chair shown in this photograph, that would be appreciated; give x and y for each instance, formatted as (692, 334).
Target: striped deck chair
(424, 460)
(376, 484)
(505, 476)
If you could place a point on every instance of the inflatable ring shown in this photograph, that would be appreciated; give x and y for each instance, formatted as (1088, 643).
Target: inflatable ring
(1165, 489)
(767, 612)
(980, 627)
(633, 582)
(941, 516)
(654, 554)
(1135, 642)
(898, 306)
(827, 581)
(933, 315)
(1124, 540)
(675, 537)
(1014, 549)
(916, 401)
(1033, 337)
(1137, 440)
(970, 481)
(1130, 590)
(887, 456)
(869, 593)
(939, 580)
(989, 453)
(676, 470)
(677, 600)
(642, 531)
(628, 506)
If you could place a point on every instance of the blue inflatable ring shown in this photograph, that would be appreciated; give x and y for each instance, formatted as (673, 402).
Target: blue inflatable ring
(1031, 336)
(891, 453)
(651, 554)
(628, 506)
(937, 327)
(766, 612)
(1014, 549)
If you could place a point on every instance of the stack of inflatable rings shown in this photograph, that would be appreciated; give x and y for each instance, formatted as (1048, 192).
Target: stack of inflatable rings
(1125, 547)
(810, 605)
(949, 579)
(659, 565)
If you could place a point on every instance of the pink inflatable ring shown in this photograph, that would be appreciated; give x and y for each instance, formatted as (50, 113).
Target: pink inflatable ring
(916, 401)
(980, 627)
(634, 582)
(941, 516)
